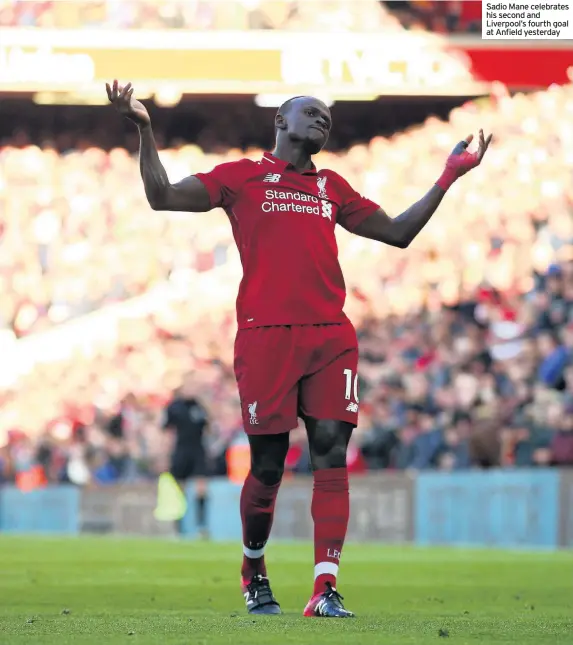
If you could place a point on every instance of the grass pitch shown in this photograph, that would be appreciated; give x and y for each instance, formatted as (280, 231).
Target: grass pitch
(88, 591)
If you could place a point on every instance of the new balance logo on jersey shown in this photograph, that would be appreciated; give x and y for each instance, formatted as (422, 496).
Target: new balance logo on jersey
(321, 183)
(272, 178)
(352, 407)
(253, 412)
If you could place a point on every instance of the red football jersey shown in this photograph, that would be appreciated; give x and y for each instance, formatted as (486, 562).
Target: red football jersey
(283, 223)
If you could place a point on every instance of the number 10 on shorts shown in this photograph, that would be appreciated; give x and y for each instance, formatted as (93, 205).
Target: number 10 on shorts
(349, 385)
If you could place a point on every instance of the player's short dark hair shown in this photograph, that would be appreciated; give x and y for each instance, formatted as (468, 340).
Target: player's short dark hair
(285, 107)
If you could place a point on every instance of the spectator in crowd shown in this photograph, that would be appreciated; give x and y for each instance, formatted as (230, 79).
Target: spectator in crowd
(189, 420)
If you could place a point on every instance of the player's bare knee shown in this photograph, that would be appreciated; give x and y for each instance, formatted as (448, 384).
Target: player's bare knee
(328, 442)
(268, 454)
(269, 475)
(267, 468)
(334, 458)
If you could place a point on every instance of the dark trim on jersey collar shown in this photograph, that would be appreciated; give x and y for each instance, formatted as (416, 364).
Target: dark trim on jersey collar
(283, 165)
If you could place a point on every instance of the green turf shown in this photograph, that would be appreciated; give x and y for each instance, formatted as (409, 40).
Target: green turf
(169, 592)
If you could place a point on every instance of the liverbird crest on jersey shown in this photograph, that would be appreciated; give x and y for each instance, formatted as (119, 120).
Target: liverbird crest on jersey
(321, 183)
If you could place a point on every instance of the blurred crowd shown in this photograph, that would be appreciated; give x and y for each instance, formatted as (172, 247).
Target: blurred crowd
(466, 337)
(287, 15)
(73, 237)
(439, 16)
(235, 15)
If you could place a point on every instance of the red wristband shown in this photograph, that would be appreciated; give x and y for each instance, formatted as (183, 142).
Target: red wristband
(447, 178)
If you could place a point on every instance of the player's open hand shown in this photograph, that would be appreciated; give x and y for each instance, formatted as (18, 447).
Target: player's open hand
(122, 99)
(461, 161)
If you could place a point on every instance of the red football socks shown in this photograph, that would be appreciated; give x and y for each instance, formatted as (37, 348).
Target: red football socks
(257, 510)
(330, 511)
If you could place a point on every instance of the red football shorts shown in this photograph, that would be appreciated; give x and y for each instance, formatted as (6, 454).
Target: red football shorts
(299, 370)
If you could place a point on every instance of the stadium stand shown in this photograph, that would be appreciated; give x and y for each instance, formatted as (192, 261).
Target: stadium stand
(439, 16)
(287, 15)
(489, 382)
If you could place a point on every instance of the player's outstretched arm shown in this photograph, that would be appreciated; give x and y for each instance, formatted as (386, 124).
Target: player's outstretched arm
(400, 231)
(189, 194)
